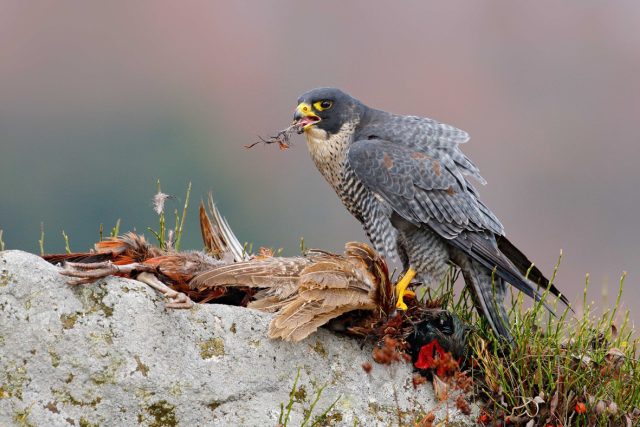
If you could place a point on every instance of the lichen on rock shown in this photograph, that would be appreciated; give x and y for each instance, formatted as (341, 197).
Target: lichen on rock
(109, 353)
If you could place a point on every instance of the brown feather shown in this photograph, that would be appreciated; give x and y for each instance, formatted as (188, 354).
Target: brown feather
(306, 292)
(328, 274)
(338, 297)
(334, 275)
(269, 304)
(297, 331)
(206, 229)
(120, 250)
(83, 257)
(266, 273)
(298, 312)
(218, 238)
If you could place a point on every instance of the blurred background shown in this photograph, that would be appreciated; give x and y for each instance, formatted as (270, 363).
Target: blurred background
(98, 100)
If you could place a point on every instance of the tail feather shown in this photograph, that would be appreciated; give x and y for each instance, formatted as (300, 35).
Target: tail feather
(83, 257)
(489, 294)
(218, 237)
(523, 264)
(484, 250)
(482, 257)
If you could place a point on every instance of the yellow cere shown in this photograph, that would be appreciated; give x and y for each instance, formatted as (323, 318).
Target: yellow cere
(305, 109)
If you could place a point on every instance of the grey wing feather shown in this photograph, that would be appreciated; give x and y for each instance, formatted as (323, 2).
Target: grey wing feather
(424, 187)
(426, 193)
(421, 133)
(450, 134)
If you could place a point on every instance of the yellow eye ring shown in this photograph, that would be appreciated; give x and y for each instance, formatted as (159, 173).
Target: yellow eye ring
(323, 105)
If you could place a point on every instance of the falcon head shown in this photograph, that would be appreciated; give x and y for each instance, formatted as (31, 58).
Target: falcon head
(327, 109)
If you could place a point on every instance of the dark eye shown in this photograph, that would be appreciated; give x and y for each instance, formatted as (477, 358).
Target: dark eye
(323, 105)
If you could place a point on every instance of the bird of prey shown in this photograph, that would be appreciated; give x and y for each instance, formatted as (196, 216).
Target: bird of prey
(407, 181)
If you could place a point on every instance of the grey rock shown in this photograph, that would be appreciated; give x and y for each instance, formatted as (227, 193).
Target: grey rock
(111, 354)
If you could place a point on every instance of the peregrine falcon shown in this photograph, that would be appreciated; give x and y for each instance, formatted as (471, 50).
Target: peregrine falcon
(406, 180)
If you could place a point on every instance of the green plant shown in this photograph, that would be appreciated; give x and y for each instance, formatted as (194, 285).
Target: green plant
(565, 370)
(168, 239)
(115, 231)
(180, 219)
(247, 249)
(299, 395)
(67, 248)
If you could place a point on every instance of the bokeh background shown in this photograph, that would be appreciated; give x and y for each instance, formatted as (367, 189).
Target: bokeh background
(100, 99)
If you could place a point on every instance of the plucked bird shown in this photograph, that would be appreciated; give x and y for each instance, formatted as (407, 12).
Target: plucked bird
(305, 292)
(308, 291)
(407, 181)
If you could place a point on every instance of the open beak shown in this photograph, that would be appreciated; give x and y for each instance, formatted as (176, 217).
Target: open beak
(304, 117)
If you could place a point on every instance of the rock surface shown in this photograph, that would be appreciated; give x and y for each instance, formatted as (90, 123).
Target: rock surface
(111, 354)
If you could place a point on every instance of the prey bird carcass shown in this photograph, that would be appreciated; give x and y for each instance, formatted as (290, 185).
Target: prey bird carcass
(305, 292)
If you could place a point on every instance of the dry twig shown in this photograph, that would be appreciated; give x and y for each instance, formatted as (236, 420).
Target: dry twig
(282, 138)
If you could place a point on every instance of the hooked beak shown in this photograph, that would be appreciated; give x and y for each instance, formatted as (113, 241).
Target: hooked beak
(304, 117)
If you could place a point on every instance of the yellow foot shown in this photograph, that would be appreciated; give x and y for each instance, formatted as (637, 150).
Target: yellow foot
(401, 288)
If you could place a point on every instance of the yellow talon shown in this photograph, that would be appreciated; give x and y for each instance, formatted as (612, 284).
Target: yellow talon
(401, 288)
